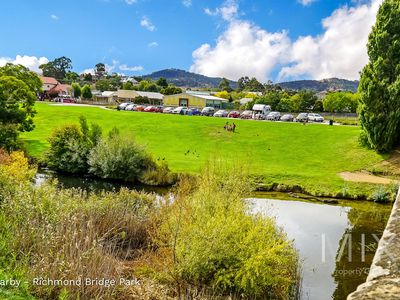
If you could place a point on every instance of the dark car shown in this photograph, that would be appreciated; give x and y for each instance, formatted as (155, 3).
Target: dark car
(208, 111)
(234, 114)
(193, 112)
(287, 118)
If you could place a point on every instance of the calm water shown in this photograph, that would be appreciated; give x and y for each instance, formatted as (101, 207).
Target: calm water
(319, 231)
(93, 185)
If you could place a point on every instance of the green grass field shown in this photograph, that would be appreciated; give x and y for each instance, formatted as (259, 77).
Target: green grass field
(286, 153)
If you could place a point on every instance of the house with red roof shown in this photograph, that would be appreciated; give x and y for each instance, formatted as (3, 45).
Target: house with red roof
(53, 88)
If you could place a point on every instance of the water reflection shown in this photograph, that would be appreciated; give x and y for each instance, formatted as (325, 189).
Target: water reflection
(93, 185)
(321, 234)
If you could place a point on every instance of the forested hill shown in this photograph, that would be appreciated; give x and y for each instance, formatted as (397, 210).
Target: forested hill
(183, 78)
(321, 85)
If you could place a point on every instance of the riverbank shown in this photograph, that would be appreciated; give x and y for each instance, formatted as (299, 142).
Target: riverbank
(278, 155)
(128, 244)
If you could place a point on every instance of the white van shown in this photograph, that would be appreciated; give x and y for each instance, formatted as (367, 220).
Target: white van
(260, 111)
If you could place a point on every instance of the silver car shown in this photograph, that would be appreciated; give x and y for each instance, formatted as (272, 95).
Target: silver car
(130, 107)
(273, 116)
(287, 118)
(221, 113)
(180, 110)
(315, 117)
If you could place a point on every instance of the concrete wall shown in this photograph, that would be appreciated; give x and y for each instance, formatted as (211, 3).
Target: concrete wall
(383, 280)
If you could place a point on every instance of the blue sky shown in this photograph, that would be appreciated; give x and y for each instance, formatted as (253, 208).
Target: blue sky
(138, 37)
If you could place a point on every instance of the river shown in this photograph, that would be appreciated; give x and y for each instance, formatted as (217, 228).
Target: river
(336, 243)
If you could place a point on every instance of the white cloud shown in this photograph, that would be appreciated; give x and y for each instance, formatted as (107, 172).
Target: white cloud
(340, 51)
(131, 69)
(115, 65)
(146, 23)
(228, 11)
(187, 3)
(153, 45)
(246, 49)
(306, 2)
(31, 62)
(54, 17)
(90, 70)
(130, 2)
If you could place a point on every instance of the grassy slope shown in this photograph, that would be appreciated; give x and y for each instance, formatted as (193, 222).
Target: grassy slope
(288, 153)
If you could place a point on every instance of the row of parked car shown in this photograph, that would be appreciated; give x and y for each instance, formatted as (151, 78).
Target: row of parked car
(263, 114)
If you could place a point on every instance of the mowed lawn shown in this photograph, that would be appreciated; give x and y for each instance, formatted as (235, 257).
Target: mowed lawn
(289, 153)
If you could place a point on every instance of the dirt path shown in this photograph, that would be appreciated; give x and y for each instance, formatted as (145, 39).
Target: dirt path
(365, 177)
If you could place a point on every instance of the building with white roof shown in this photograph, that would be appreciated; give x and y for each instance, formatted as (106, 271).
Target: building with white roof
(195, 100)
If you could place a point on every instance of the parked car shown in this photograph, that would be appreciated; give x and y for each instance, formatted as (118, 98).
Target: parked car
(303, 117)
(221, 113)
(168, 110)
(261, 111)
(140, 108)
(159, 109)
(208, 111)
(130, 107)
(65, 99)
(150, 109)
(287, 118)
(247, 114)
(180, 110)
(122, 106)
(193, 112)
(315, 117)
(234, 114)
(273, 116)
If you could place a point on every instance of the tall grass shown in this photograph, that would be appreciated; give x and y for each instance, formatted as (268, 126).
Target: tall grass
(204, 244)
(218, 248)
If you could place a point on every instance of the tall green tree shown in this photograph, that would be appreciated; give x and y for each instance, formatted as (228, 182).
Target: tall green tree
(57, 68)
(100, 70)
(86, 92)
(380, 81)
(162, 82)
(224, 85)
(103, 85)
(18, 91)
(76, 88)
(242, 82)
(128, 86)
(71, 77)
(88, 77)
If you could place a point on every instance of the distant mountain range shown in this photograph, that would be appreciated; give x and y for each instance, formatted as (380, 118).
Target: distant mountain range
(321, 85)
(183, 78)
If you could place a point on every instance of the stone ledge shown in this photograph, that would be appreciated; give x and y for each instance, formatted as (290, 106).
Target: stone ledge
(383, 281)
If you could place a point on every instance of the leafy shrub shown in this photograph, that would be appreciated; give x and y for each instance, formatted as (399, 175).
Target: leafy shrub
(9, 137)
(216, 242)
(70, 146)
(381, 195)
(65, 234)
(159, 176)
(119, 157)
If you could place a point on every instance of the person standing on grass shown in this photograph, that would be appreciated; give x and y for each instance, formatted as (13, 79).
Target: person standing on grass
(226, 126)
(233, 127)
